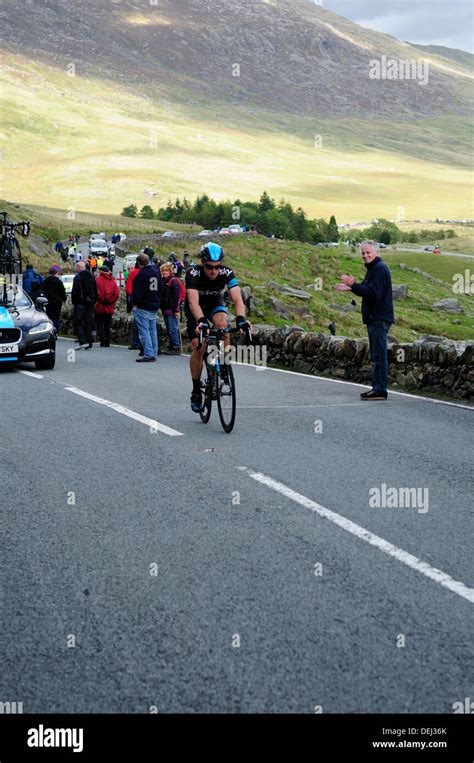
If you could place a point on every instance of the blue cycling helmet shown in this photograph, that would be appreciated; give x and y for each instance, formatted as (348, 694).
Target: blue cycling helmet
(211, 253)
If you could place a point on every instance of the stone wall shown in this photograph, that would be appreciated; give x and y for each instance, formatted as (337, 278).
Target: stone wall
(431, 364)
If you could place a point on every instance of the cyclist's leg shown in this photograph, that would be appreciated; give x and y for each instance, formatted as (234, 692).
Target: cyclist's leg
(219, 317)
(195, 364)
(196, 360)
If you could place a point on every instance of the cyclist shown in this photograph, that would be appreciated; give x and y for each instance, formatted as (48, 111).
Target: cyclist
(204, 307)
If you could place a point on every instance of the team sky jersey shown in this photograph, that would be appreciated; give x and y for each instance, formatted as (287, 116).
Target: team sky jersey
(209, 291)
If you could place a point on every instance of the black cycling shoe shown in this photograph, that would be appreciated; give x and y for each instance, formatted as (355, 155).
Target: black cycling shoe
(196, 402)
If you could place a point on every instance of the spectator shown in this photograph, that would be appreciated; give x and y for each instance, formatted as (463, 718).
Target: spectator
(107, 295)
(109, 262)
(134, 338)
(36, 291)
(84, 297)
(55, 293)
(146, 297)
(170, 300)
(377, 314)
(30, 277)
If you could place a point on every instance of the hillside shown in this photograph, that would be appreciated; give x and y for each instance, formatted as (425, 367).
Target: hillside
(115, 103)
(265, 264)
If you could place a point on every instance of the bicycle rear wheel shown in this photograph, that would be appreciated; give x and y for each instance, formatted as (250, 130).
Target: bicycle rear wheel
(205, 414)
(226, 399)
(14, 265)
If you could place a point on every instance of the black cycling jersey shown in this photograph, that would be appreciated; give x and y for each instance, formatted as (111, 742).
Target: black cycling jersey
(209, 291)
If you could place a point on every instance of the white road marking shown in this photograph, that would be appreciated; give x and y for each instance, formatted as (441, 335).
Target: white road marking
(30, 373)
(150, 423)
(404, 557)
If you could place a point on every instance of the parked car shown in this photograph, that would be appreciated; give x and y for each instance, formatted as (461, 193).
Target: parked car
(382, 246)
(26, 332)
(169, 234)
(225, 232)
(205, 233)
(235, 229)
(428, 248)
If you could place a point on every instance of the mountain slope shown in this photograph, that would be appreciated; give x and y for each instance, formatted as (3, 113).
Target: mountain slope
(292, 54)
(107, 103)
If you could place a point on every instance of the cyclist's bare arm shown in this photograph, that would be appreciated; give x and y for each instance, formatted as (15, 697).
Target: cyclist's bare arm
(236, 296)
(193, 301)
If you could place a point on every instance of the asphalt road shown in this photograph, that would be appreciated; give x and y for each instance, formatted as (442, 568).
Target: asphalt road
(236, 616)
(403, 248)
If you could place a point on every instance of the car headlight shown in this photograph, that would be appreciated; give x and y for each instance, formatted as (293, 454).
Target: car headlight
(41, 328)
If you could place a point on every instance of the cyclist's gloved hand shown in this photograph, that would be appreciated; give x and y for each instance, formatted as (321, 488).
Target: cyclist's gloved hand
(241, 323)
(203, 324)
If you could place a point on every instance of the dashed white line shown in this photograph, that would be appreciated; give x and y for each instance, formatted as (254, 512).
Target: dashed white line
(153, 425)
(30, 373)
(404, 557)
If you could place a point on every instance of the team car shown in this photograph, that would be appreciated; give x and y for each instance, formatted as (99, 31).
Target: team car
(26, 332)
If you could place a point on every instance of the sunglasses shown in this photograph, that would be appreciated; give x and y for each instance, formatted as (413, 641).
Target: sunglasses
(212, 267)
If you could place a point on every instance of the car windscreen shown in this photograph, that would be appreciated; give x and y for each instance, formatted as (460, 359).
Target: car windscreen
(14, 296)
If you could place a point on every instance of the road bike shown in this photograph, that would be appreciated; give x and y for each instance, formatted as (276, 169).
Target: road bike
(219, 384)
(10, 250)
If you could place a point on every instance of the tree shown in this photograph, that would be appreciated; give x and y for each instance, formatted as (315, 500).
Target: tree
(300, 225)
(209, 216)
(199, 204)
(277, 223)
(385, 237)
(266, 203)
(130, 211)
(147, 213)
(333, 230)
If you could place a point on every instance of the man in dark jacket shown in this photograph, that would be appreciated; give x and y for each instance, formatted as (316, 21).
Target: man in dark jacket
(55, 293)
(84, 297)
(29, 277)
(377, 314)
(146, 298)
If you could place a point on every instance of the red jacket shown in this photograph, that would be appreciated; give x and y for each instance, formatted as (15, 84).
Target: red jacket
(129, 282)
(107, 294)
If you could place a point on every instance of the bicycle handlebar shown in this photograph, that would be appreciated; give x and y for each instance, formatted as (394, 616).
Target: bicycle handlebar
(217, 332)
(23, 227)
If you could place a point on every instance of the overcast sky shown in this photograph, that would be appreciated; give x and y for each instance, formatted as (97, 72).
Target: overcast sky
(428, 22)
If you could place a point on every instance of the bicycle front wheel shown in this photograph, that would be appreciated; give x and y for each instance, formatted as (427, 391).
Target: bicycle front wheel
(226, 399)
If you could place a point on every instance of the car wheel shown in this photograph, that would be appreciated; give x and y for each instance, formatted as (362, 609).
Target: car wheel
(46, 364)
